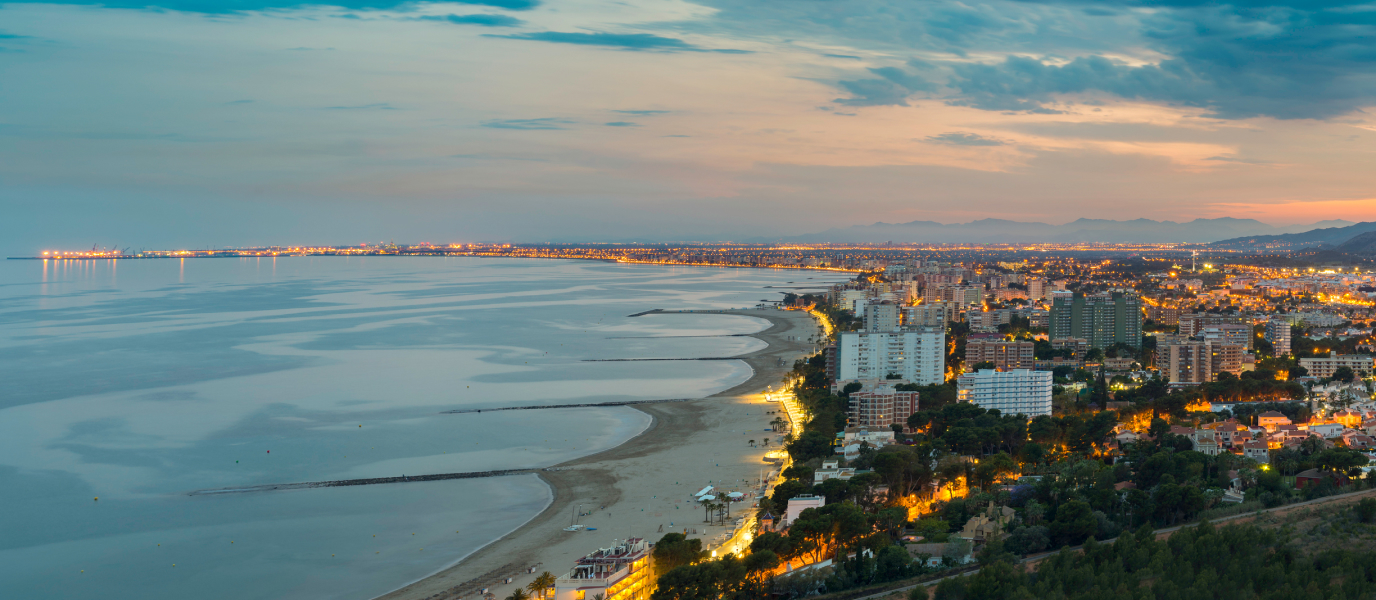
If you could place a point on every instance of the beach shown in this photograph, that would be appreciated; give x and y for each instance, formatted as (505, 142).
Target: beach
(643, 487)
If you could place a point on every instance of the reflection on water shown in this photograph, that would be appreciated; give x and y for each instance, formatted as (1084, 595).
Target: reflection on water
(139, 381)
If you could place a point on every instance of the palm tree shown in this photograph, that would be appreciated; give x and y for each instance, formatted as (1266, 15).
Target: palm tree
(752, 443)
(764, 442)
(541, 585)
(518, 594)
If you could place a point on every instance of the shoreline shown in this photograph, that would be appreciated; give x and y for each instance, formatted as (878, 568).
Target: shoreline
(645, 472)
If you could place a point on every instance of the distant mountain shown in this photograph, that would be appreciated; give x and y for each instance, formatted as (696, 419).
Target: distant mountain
(1081, 230)
(1364, 243)
(1330, 236)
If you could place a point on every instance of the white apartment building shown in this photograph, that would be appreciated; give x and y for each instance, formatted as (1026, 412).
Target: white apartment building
(1016, 392)
(881, 316)
(915, 355)
(1360, 364)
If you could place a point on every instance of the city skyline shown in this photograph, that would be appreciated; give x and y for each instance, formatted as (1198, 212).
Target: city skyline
(256, 122)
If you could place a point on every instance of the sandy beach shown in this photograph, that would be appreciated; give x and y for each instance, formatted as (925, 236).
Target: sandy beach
(644, 487)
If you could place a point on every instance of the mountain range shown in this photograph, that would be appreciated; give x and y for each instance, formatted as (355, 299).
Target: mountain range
(1326, 236)
(1081, 230)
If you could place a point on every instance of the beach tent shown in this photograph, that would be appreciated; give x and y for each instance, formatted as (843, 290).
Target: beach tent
(703, 491)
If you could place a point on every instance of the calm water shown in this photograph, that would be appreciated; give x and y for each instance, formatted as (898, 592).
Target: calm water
(139, 381)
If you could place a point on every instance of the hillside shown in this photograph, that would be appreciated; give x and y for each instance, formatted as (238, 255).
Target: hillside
(1364, 244)
(1332, 236)
(1080, 230)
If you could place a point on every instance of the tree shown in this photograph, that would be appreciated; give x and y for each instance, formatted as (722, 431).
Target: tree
(518, 594)
(1074, 522)
(982, 366)
(675, 550)
(543, 582)
(992, 468)
(1344, 374)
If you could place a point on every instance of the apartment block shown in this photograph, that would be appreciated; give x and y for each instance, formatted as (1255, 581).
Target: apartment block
(934, 314)
(881, 407)
(1017, 392)
(1103, 319)
(1326, 367)
(882, 316)
(1005, 355)
(1278, 333)
(1193, 323)
(916, 355)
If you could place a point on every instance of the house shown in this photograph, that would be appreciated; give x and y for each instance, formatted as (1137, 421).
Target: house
(1314, 476)
(933, 554)
(831, 469)
(1270, 419)
(1256, 451)
(798, 504)
(1327, 430)
(1358, 440)
(1204, 442)
(988, 526)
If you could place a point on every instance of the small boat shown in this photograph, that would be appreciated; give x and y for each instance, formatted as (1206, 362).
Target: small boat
(573, 528)
(592, 529)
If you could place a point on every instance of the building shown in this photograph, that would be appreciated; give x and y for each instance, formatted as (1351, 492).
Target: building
(1036, 288)
(1256, 451)
(1103, 319)
(1227, 358)
(1164, 315)
(796, 506)
(1189, 363)
(1193, 323)
(917, 355)
(931, 314)
(881, 407)
(1078, 346)
(832, 469)
(1005, 355)
(1017, 392)
(621, 572)
(1325, 367)
(1271, 420)
(846, 299)
(1228, 333)
(1278, 333)
(882, 316)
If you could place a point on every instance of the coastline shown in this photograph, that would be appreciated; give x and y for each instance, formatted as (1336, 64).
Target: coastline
(643, 484)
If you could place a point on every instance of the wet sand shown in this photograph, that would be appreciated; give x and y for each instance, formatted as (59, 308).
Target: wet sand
(644, 487)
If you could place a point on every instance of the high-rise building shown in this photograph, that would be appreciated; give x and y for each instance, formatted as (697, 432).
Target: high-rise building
(1005, 355)
(1103, 319)
(1278, 333)
(880, 407)
(1194, 323)
(917, 355)
(1228, 333)
(621, 572)
(1189, 363)
(930, 314)
(881, 316)
(1017, 392)
(1036, 288)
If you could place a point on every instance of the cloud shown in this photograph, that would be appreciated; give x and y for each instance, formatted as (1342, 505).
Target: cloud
(240, 6)
(11, 36)
(893, 89)
(479, 19)
(622, 124)
(846, 56)
(642, 113)
(624, 41)
(956, 138)
(528, 124)
(377, 106)
(234, 102)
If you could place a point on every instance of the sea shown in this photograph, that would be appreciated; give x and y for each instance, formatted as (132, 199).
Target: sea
(127, 385)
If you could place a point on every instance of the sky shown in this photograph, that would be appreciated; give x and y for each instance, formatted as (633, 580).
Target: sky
(199, 123)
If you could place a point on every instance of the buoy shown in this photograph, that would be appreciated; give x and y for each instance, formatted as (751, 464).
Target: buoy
(269, 452)
(97, 499)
